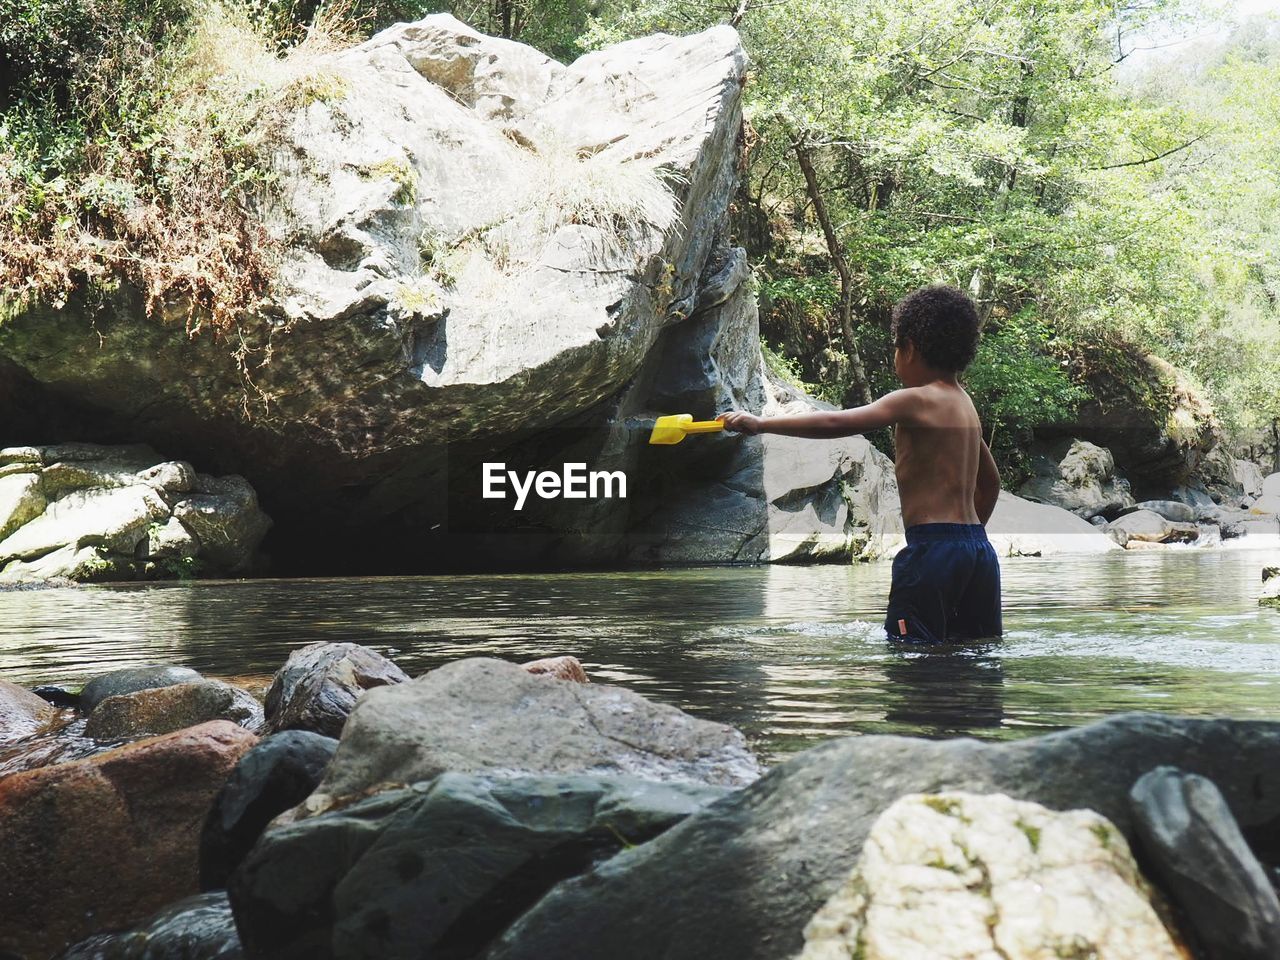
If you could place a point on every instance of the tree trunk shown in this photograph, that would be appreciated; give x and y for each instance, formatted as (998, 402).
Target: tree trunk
(859, 390)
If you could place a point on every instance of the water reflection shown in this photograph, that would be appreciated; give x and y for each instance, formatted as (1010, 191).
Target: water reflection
(788, 654)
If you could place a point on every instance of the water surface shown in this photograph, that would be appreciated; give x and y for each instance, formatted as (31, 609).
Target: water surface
(790, 655)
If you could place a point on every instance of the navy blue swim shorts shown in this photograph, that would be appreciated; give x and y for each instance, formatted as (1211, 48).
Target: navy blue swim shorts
(946, 585)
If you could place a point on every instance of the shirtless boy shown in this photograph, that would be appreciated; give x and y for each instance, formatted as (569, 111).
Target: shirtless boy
(946, 581)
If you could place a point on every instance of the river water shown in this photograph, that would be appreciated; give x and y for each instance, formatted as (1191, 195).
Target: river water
(790, 655)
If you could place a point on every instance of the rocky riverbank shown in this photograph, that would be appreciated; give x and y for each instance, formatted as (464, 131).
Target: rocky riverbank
(490, 810)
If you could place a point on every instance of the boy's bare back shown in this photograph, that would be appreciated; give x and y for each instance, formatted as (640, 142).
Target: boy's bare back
(937, 451)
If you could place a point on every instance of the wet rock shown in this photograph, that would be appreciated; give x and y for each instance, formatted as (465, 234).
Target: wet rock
(197, 928)
(1078, 476)
(102, 843)
(22, 713)
(1270, 587)
(320, 683)
(58, 696)
(1198, 855)
(166, 709)
(1151, 527)
(59, 742)
(755, 867)
(481, 715)
(1020, 528)
(277, 774)
(562, 668)
(132, 679)
(955, 876)
(439, 868)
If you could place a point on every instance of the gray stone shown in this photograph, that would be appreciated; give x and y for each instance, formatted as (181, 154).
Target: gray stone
(1199, 857)
(320, 683)
(21, 500)
(279, 773)
(491, 716)
(130, 680)
(1020, 528)
(1249, 475)
(1271, 485)
(1270, 595)
(440, 868)
(172, 707)
(756, 866)
(1150, 527)
(22, 712)
(1078, 476)
(196, 928)
(1174, 511)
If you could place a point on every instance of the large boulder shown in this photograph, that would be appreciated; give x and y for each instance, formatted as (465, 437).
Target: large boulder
(1020, 528)
(755, 867)
(89, 512)
(491, 716)
(128, 680)
(176, 707)
(1271, 485)
(1078, 476)
(1150, 527)
(1200, 858)
(440, 868)
(1175, 511)
(102, 843)
(277, 774)
(22, 713)
(197, 928)
(956, 876)
(320, 683)
(485, 257)
(1249, 476)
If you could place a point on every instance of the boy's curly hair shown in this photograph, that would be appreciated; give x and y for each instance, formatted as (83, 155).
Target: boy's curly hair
(943, 324)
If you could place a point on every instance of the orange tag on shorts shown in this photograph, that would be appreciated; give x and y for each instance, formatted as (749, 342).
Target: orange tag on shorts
(902, 628)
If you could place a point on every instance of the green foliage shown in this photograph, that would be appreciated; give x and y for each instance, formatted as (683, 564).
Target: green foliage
(1018, 383)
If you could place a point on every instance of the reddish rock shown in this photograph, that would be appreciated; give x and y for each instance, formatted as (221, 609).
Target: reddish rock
(22, 713)
(562, 668)
(102, 843)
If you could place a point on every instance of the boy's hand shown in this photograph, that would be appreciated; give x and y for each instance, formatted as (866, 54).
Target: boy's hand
(739, 422)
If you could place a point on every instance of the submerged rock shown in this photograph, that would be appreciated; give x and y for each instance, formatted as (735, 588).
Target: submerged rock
(166, 709)
(955, 876)
(756, 866)
(491, 716)
(320, 683)
(89, 512)
(197, 928)
(99, 844)
(22, 712)
(132, 679)
(1270, 595)
(1202, 861)
(440, 868)
(277, 774)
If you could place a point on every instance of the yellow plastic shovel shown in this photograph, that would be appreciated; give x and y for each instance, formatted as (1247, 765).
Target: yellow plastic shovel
(676, 427)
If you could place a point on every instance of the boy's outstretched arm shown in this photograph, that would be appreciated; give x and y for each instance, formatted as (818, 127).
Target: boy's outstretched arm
(987, 490)
(889, 409)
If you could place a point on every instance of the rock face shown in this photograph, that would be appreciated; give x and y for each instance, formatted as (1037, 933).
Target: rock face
(1249, 476)
(91, 512)
(22, 713)
(197, 928)
(320, 683)
(1020, 528)
(481, 715)
(100, 844)
(176, 707)
(439, 868)
(279, 773)
(756, 866)
(1078, 476)
(1201, 859)
(461, 284)
(955, 876)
